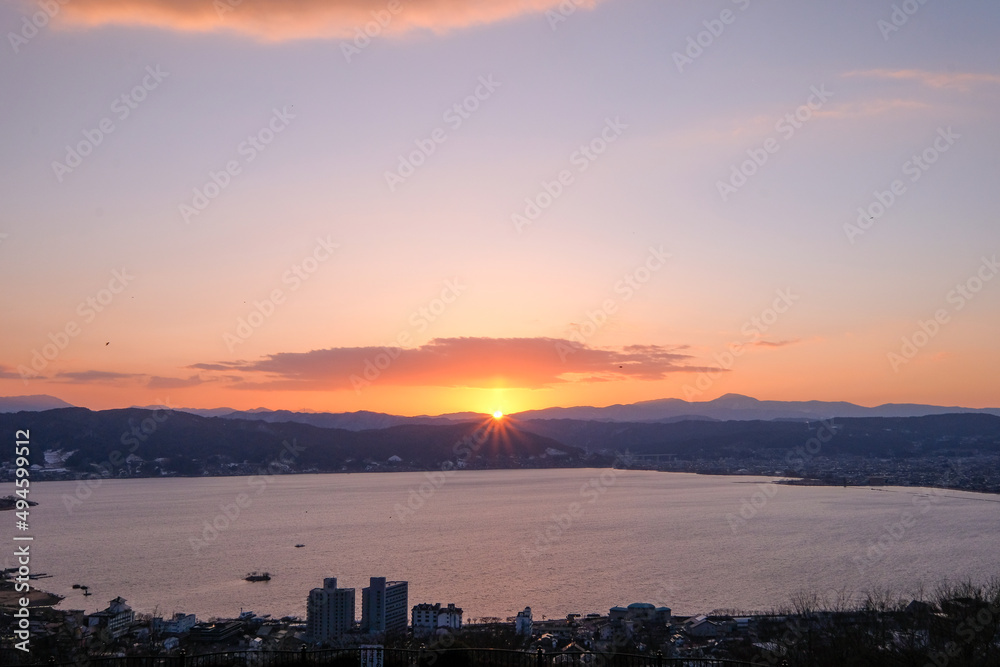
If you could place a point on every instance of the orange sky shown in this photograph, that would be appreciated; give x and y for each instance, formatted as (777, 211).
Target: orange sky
(450, 205)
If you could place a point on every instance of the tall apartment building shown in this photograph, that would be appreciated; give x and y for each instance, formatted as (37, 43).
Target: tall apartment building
(329, 611)
(522, 624)
(384, 606)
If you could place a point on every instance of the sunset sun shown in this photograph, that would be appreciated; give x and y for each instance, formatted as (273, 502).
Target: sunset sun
(498, 414)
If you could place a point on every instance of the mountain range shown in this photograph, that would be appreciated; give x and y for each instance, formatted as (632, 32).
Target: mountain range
(147, 442)
(725, 408)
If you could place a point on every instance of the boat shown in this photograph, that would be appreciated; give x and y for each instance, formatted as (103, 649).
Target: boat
(299, 546)
(259, 576)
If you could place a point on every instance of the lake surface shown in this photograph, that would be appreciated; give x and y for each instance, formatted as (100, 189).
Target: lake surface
(493, 542)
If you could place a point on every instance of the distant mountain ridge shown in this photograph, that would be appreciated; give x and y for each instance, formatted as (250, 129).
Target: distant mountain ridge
(188, 444)
(34, 403)
(142, 443)
(736, 407)
(363, 420)
(730, 407)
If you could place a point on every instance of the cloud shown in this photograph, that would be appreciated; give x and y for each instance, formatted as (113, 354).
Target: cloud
(158, 382)
(869, 108)
(963, 81)
(463, 362)
(281, 20)
(774, 343)
(7, 374)
(89, 377)
(223, 366)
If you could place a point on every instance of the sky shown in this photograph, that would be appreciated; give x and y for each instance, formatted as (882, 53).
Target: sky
(430, 206)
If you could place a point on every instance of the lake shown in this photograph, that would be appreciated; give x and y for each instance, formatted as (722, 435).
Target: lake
(493, 542)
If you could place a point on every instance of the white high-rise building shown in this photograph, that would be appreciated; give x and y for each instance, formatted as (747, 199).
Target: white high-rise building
(384, 606)
(329, 611)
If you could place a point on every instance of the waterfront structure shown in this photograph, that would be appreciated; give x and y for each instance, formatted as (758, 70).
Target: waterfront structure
(522, 623)
(329, 611)
(429, 618)
(384, 606)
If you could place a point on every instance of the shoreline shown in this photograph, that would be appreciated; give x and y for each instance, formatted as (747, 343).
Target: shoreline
(37, 597)
(776, 479)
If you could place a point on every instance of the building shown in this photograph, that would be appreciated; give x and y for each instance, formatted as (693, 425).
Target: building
(384, 606)
(522, 624)
(116, 619)
(429, 618)
(178, 625)
(702, 626)
(216, 632)
(662, 615)
(450, 617)
(329, 611)
(641, 611)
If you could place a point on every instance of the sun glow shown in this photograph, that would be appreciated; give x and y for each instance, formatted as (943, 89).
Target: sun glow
(498, 414)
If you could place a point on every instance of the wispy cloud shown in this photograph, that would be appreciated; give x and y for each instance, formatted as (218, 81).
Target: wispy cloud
(7, 374)
(774, 343)
(158, 382)
(868, 108)
(963, 81)
(462, 362)
(92, 377)
(279, 20)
